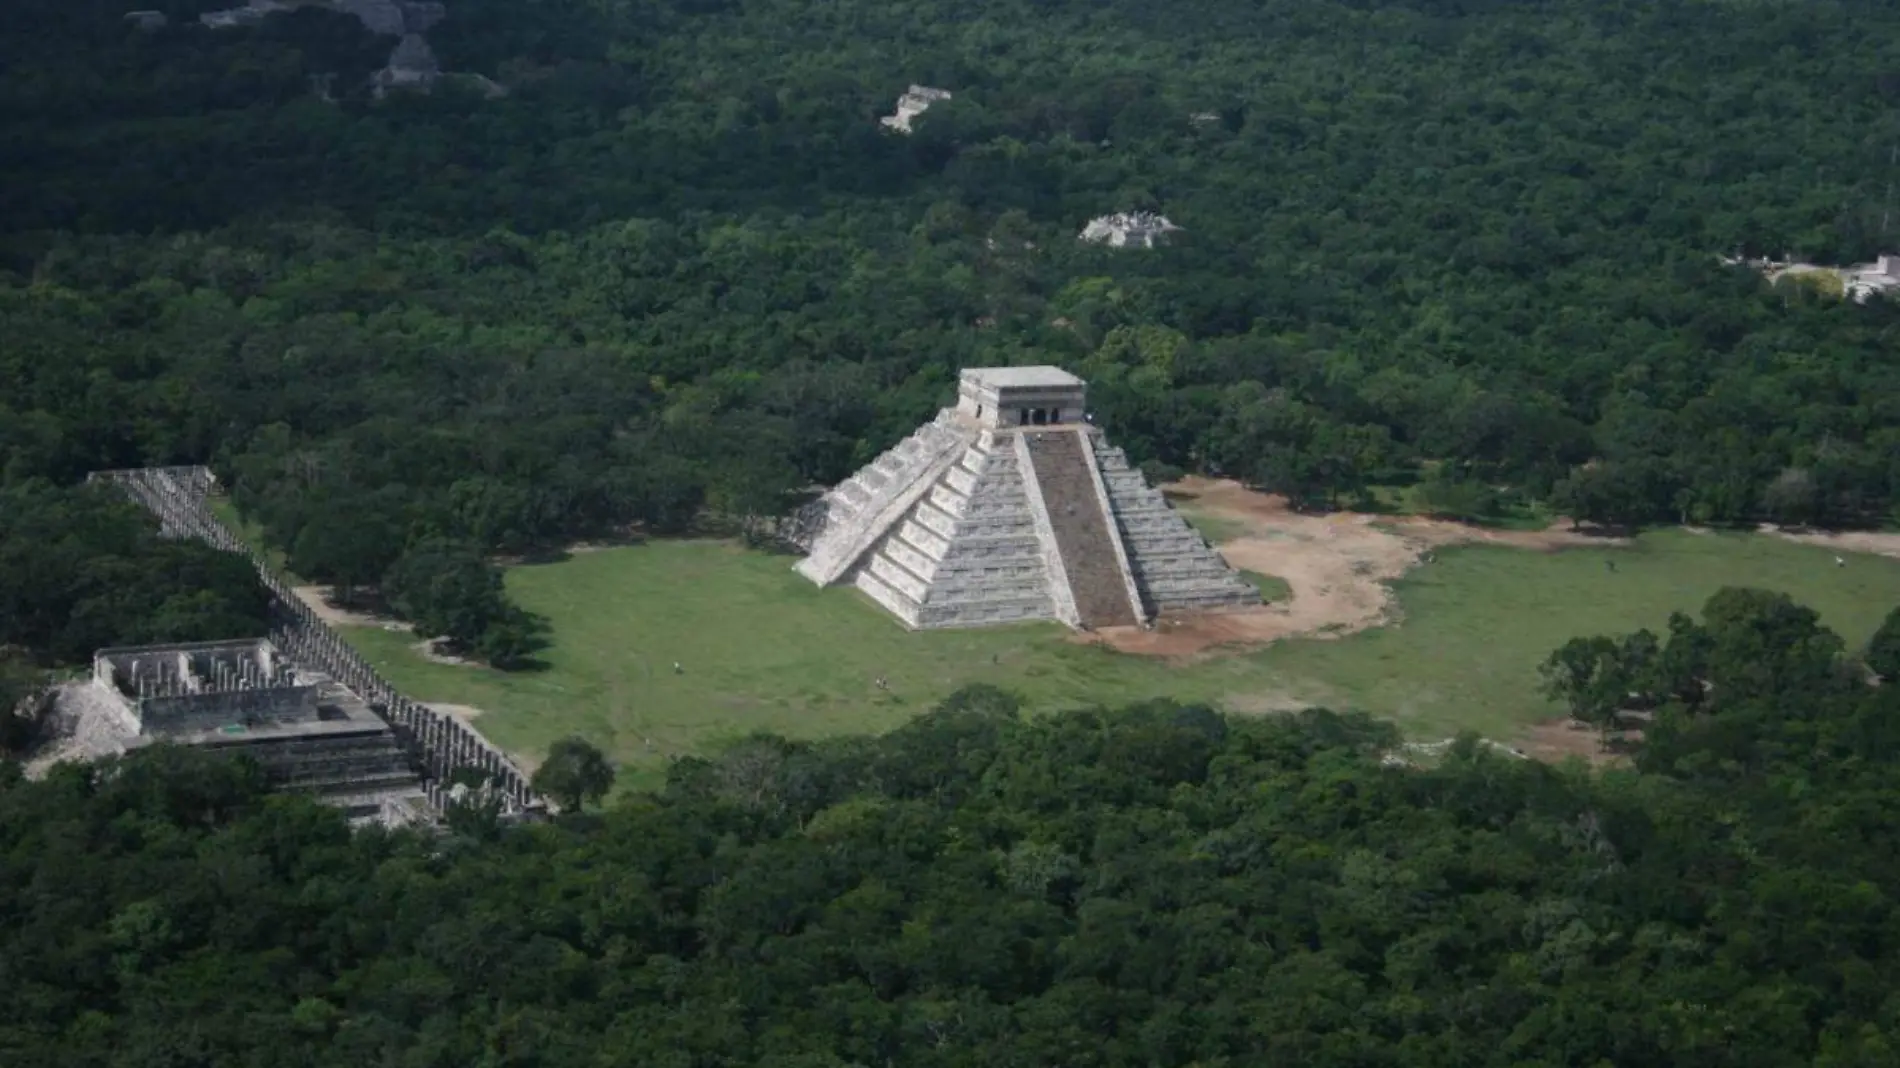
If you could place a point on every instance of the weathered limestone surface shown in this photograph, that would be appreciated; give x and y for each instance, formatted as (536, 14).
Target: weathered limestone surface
(966, 553)
(1087, 542)
(1139, 229)
(856, 513)
(912, 104)
(1175, 568)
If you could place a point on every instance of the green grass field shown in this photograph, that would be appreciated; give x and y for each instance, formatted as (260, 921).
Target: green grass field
(761, 649)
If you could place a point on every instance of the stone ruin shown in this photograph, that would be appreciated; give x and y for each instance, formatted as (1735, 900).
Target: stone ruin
(1857, 282)
(1013, 506)
(913, 103)
(1140, 229)
(412, 63)
(308, 732)
(342, 756)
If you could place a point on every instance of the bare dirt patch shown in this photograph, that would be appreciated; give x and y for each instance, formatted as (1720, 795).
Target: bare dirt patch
(1556, 740)
(434, 651)
(465, 713)
(1851, 541)
(320, 601)
(1337, 565)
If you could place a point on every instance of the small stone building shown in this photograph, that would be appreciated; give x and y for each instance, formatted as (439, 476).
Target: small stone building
(308, 732)
(1138, 229)
(913, 103)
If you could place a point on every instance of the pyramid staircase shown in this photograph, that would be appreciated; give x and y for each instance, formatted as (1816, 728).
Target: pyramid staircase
(1098, 573)
(1175, 568)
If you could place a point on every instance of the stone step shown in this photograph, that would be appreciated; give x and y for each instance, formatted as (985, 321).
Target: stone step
(996, 526)
(983, 592)
(934, 519)
(923, 540)
(1203, 603)
(889, 598)
(1183, 578)
(897, 577)
(918, 564)
(947, 500)
(994, 613)
(1082, 532)
(1017, 572)
(1156, 537)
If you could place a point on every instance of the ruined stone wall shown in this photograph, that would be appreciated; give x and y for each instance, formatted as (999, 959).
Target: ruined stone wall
(180, 498)
(210, 711)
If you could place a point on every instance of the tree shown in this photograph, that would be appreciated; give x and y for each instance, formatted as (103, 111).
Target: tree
(1447, 497)
(1617, 493)
(1883, 650)
(1592, 677)
(21, 709)
(574, 773)
(1792, 497)
(1761, 642)
(446, 589)
(346, 547)
(512, 638)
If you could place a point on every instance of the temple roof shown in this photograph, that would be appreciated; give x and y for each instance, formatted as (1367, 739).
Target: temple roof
(1040, 377)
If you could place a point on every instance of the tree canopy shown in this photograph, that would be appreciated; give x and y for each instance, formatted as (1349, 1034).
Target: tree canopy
(680, 267)
(1155, 884)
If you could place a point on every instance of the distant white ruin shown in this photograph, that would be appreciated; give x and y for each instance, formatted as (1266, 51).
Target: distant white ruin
(411, 65)
(913, 103)
(1140, 229)
(1857, 282)
(412, 62)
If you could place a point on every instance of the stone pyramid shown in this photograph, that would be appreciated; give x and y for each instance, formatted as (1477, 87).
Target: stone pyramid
(1012, 506)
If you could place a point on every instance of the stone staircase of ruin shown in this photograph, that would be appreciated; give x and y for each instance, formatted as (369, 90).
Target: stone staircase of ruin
(1062, 460)
(966, 553)
(1175, 568)
(861, 510)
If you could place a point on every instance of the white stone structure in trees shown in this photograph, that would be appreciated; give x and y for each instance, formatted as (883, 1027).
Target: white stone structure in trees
(1140, 229)
(913, 103)
(441, 747)
(1013, 506)
(1858, 281)
(412, 63)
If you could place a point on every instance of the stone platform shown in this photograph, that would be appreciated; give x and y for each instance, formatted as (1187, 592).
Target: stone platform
(1011, 507)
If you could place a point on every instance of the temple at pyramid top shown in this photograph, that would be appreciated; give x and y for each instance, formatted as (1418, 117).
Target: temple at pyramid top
(1013, 506)
(1021, 396)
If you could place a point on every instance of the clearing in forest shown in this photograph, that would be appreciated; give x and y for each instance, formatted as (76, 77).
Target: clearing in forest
(759, 648)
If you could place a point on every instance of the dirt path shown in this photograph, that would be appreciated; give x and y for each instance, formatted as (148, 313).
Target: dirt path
(1556, 740)
(1853, 541)
(1338, 567)
(318, 598)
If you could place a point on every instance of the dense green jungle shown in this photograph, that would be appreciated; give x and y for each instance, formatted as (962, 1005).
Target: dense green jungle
(678, 275)
(1148, 885)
